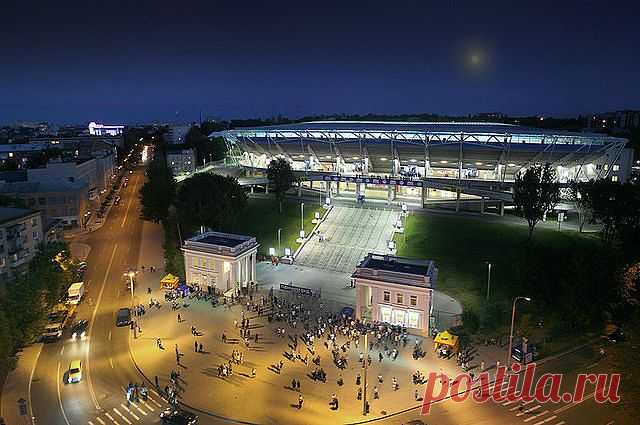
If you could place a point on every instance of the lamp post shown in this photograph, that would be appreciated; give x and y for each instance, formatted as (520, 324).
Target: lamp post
(364, 381)
(301, 215)
(488, 279)
(279, 230)
(513, 318)
(131, 274)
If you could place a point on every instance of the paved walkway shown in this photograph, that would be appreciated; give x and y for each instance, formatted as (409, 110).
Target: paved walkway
(267, 397)
(17, 386)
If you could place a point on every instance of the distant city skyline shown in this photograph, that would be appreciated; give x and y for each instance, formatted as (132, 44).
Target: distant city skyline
(130, 63)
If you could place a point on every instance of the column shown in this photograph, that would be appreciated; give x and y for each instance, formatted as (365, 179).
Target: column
(501, 208)
(253, 267)
(266, 188)
(299, 189)
(251, 188)
(482, 205)
(337, 188)
(457, 199)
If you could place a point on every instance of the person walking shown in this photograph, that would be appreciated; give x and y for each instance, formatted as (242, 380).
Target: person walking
(300, 401)
(200, 348)
(179, 318)
(195, 346)
(375, 393)
(395, 384)
(293, 384)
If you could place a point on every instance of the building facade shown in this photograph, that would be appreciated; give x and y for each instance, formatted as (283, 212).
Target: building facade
(181, 160)
(222, 261)
(395, 290)
(177, 134)
(56, 200)
(20, 234)
(97, 129)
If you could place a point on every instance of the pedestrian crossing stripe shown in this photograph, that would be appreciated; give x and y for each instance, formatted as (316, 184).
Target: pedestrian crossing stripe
(549, 419)
(111, 417)
(137, 418)
(536, 416)
(148, 407)
(534, 408)
(101, 421)
(120, 414)
(140, 410)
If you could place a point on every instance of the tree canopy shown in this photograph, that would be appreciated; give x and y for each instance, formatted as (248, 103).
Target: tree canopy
(535, 193)
(281, 178)
(210, 200)
(206, 149)
(158, 191)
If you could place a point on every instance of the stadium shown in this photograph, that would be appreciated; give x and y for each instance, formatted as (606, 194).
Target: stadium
(476, 160)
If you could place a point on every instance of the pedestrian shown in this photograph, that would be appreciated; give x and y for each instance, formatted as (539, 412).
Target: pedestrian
(253, 372)
(395, 384)
(375, 393)
(358, 379)
(224, 337)
(200, 347)
(359, 396)
(179, 318)
(300, 401)
(380, 379)
(195, 346)
(157, 383)
(293, 384)
(482, 366)
(416, 395)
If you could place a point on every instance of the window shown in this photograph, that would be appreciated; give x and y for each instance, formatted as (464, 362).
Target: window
(399, 298)
(387, 298)
(413, 300)
(616, 167)
(385, 314)
(36, 236)
(34, 221)
(414, 319)
(614, 178)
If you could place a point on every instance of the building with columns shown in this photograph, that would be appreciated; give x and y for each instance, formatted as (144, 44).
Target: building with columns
(223, 261)
(395, 290)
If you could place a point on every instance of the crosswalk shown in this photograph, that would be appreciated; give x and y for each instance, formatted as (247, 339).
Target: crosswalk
(129, 414)
(533, 413)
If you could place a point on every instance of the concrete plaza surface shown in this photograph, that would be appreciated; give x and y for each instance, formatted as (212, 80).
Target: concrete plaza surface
(267, 397)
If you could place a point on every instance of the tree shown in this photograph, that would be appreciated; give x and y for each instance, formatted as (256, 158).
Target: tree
(158, 191)
(206, 149)
(280, 177)
(582, 195)
(535, 193)
(210, 200)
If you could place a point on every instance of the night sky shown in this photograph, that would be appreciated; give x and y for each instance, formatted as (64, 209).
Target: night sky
(114, 61)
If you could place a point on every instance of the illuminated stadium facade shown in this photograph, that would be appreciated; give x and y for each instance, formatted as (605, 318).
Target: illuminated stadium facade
(454, 154)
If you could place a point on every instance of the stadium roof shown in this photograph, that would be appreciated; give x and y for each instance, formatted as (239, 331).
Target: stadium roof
(395, 127)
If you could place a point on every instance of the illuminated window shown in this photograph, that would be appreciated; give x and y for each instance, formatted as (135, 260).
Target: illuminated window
(614, 178)
(616, 167)
(385, 314)
(413, 319)
(399, 298)
(413, 300)
(387, 296)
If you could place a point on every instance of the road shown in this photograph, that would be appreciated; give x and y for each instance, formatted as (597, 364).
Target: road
(99, 398)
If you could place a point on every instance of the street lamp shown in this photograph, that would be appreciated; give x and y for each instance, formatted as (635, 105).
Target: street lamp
(513, 318)
(131, 274)
(488, 279)
(279, 231)
(301, 215)
(364, 381)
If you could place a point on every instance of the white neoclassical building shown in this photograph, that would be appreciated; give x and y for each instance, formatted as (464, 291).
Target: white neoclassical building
(395, 290)
(223, 261)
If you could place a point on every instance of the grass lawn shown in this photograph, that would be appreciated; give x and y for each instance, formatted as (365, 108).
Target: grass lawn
(461, 246)
(262, 219)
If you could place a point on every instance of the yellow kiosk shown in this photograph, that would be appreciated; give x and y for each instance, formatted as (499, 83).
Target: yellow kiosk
(169, 282)
(447, 342)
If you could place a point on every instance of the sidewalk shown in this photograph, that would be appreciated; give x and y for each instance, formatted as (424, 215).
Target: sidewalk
(17, 386)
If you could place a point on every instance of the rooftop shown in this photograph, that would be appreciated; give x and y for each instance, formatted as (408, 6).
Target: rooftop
(345, 129)
(401, 270)
(8, 214)
(41, 187)
(220, 243)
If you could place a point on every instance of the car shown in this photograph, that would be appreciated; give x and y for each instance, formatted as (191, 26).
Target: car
(79, 329)
(172, 416)
(52, 332)
(124, 317)
(75, 372)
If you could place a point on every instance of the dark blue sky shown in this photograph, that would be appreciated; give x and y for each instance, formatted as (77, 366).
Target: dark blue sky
(118, 61)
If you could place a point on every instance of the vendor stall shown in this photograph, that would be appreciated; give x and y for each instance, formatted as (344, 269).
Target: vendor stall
(446, 343)
(169, 282)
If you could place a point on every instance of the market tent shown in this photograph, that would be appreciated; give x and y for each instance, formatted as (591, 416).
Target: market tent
(446, 338)
(169, 282)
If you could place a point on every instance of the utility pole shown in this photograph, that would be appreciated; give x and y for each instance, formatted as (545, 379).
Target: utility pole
(488, 280)
(364, 381)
